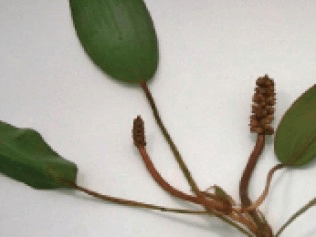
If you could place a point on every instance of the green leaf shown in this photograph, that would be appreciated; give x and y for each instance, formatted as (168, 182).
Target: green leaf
(295, 140)
(26, 157)
(219, 192)
(119, 37)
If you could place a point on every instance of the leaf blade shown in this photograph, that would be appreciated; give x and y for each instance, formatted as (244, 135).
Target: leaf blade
(295, 140)
(119, 37)
(24, 156)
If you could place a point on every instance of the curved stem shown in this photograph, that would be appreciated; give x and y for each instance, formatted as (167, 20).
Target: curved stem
(212, 206)
(265, 192)
(180, 161)
(131, 203)
(168, 138)
(245, 179)
(264, 228)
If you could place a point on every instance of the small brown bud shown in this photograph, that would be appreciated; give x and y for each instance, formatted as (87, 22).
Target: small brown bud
(139, 132)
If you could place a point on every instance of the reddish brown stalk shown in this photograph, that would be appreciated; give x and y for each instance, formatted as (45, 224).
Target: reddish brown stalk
(160, 180)
(210, 204)
(130, 203)
(265, 192)
(245, 179)
(140, 142)
(215, 206)
(264, 228)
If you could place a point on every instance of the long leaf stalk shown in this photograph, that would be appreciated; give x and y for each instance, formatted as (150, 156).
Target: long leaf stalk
(168, 138)
(296, 215)
(213, 205)
(131, 203)
(265, 192)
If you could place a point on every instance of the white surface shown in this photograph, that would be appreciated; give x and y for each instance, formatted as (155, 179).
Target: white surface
(211, 52)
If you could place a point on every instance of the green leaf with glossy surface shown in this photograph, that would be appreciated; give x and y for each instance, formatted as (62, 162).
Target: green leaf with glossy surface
(295, 139)
(119, 37)
(26, 157)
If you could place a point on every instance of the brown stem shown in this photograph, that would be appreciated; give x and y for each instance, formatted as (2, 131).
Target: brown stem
(245, 179)
(237, 216)
(168, 138)
(131, 203)
(265, 192)
(264, 228)
(211, 204)
(296, 214)
(185, 170)
(214, 207)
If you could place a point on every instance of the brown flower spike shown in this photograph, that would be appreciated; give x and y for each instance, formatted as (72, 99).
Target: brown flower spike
(262, 108)
(139, 132)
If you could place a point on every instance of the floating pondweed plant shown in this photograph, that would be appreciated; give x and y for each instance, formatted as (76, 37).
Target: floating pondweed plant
(119, 37)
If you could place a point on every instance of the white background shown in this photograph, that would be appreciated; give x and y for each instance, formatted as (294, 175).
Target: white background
(211, 52)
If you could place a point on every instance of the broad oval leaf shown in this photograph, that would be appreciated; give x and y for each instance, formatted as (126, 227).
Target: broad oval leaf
(295, 140)
(26, 157)
(119, 37)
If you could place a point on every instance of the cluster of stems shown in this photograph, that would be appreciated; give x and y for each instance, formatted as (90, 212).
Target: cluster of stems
(244, 216)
